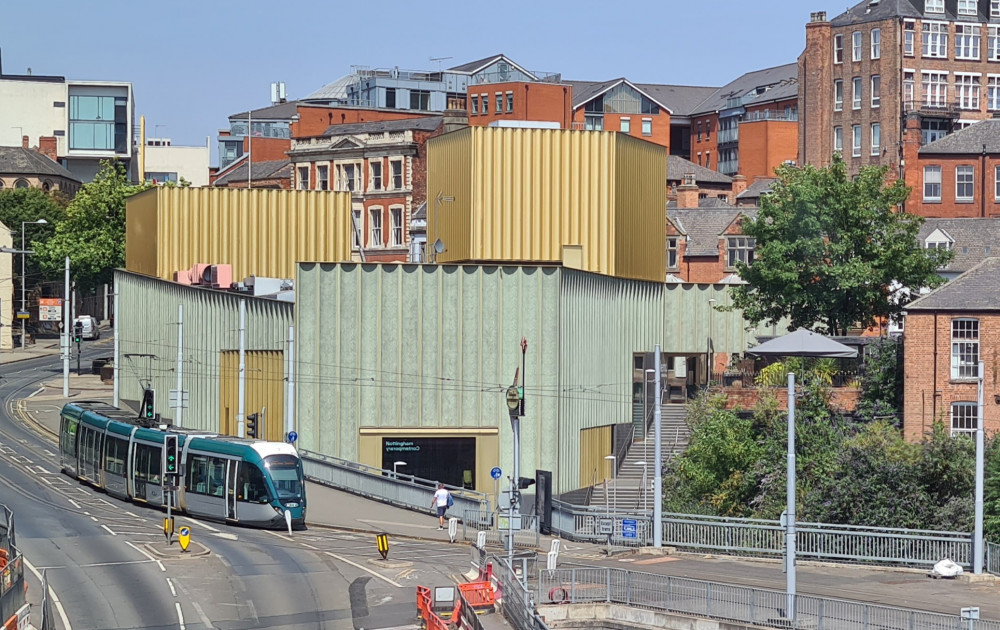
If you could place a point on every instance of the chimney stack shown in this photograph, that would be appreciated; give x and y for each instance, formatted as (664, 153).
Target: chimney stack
(24, 142)
(47, 147)
(739, 185)
(687, 192)
(817, 16)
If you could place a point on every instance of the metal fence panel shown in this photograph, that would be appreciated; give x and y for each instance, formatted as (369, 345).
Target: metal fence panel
(993, 558)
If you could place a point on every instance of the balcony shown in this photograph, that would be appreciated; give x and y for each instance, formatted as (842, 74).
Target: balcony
(729, 167)
(934, 109)
(728, 136)
(770, 114)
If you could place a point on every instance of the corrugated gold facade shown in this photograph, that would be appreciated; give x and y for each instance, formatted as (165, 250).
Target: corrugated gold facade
(265, 392)
(259, 232)
(593, 200)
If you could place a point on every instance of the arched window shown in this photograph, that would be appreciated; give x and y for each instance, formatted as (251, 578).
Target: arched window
(21, 183)
(47, 185)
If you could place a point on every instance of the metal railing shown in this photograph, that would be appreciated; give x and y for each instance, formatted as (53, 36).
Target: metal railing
(12, 597)
(384, 485)
(743, 604)
(475, 521)
(747, 378)
(992, 558)
(516, 602)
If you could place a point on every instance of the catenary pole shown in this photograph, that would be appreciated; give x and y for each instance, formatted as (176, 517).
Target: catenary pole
(977, 537)
(290, 397)
(67, 321)
(657, 458)
(242, 386)
(180, 366)
(118, 358)
(790, 507)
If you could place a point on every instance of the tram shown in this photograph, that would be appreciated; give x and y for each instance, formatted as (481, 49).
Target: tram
(223, 478)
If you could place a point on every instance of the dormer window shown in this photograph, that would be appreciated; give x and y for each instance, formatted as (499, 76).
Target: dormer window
(934, 6)
(967, 7)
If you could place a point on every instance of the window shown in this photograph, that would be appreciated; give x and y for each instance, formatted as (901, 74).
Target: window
(838, 49)
(348, 177)
(740, 249)
(397, 174)
(647, 126)
(934, 6)
(994, 8)
(856, 46)
(420, 99)
(934, 37)
(98, 123)
(356, 232)
(323, 177)
(967, 41)
(993, 44)
(965, 348)
(876, 138)
(856, 144)
(390, 98)
(708, 129)
(996, 182)
(908, 90)
(375, 177)
(303, 178)
(964, 178)
(484, 103)
(967, 86)
(838, 138)
(876, 43)
(932, 183)
(699, 131)
(935, 89)
(993, 92)
(672, 250)
(856, 94)
(396, 227)
(708, 159)
(475, 104)
(932, 129)
(876, 90)
(499, 101)
(21, 183)
(699, 158)
(964, 417)
(938, 244)
(966, 7)
(838, 95)
(626, 125)
(909, 36)
(510, 102)
(375, 227)
(593, 122)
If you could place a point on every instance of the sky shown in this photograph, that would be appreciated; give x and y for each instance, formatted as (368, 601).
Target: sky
(192, 64)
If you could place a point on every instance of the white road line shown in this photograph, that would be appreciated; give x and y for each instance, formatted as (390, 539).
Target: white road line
(109, 530)
(75, 504)
(55, 598)
(94, 518)
(226, 536)
(145, 553)
(170, 583)
(365, 569)
(201, 613)
(45, 480)
(36, 392)
(115, 564)
(205, 525)
(180, 616)
(281, 536)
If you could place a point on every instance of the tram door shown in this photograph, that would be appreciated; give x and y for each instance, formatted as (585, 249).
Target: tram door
(231, 477)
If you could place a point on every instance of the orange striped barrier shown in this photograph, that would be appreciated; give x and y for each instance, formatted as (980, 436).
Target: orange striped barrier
(478, 594)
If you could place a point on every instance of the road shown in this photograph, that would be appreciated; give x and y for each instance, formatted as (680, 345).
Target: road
(109, 566)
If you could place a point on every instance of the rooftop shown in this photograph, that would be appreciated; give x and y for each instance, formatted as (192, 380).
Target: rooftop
(678, 167)
(20, 161)
(974, 290)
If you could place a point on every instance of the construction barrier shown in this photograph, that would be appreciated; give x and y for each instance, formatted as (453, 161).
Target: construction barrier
(478, 594)
(425, 608)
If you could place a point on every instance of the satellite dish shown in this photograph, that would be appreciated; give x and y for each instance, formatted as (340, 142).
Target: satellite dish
(438, 246)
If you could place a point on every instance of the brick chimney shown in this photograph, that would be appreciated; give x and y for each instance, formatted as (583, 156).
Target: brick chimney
(687, 192)
(911, 165)
(24, 142)
(47, 147)
(816, 92)
(739, 185)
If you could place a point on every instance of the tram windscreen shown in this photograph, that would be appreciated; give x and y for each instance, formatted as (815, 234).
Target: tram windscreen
(286, 475)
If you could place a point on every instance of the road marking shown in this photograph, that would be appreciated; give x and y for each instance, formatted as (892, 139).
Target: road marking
(364, 520)
(180, 616)
(115, 563)
(110, 531)
(75, 504)
(170, 583)
(365, 569)
(205, 525)
(225, 535)
(55, 598)
(281, 536)
(201, 613)
(145, 553)
(36, 392)
(93, 518)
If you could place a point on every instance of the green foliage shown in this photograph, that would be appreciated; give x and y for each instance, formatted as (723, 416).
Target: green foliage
(806, 369)
(18, 205)
(93, 234)
(830, 250)
(991, 490)
(881, 380)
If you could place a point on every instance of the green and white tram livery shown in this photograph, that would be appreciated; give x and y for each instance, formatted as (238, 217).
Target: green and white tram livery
(222, 478)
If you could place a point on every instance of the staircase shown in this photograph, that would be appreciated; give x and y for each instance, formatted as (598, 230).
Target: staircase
(674, 437)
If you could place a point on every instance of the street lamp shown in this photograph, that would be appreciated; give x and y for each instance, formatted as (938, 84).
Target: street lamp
(395, 467)
(24, 254)
(643, 486)
(614, 474)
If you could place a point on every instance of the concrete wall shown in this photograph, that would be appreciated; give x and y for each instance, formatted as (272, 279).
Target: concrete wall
(29, 110)
(619, 617)
(191, 163)
(6, 289)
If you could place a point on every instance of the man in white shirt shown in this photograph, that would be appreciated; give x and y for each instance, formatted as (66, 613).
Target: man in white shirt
(440, 501)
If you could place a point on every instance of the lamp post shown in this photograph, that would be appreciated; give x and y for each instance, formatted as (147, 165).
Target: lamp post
(614, 475)
(395, 467)
(24, 254)
(643, 486)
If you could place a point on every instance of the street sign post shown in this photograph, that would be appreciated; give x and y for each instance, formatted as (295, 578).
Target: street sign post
(292, 437)
(630, 528)
(382, 542)
(495, 472)
(184, 537)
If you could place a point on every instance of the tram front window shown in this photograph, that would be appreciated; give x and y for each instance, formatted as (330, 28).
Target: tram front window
(286, 474)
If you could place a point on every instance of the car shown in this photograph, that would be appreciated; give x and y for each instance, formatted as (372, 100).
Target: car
(88, 325)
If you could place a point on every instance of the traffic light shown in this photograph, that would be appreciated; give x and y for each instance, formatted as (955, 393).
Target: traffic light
(77, 332)
(524, 482)
(252, 426)
(148, 402)
(171, 455)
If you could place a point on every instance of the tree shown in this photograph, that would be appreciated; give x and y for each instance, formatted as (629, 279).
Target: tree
(832, 252)
(93, 234)
(881, 377)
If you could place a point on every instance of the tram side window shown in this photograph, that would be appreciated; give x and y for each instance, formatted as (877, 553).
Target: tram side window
(67, 438)
(217, 476)
(197, 474)
(114, 456)
(147, 463)
(250, 485)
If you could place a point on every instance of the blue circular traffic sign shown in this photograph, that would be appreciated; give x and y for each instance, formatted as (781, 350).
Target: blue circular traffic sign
(184, 531)
(292, 436)
(496, 472)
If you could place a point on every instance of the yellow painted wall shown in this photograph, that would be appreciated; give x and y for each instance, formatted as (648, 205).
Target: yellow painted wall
(522, 195)
(487, 449)
(259, 232)
(265, 388)
(595, 443)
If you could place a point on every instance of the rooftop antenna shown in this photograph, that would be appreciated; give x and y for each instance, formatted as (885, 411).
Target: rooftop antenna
(439, 60)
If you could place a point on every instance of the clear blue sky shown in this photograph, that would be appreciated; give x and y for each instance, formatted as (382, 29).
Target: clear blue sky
(192, 64)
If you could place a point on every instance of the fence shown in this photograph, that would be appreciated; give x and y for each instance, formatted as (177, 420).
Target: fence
(12, 597)
(384, 485)
(516, 602)
(735, 603)
(493, 524)
(992, 558)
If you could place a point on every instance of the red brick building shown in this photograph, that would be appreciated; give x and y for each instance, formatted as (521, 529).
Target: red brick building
(705, 239)
(948, 332)
(536, 101)
(620, 105)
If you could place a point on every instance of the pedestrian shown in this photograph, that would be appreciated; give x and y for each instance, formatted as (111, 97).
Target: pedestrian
(441, 500)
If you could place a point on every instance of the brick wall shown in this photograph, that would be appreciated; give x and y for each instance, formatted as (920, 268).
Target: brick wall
(534, 101)
(746, 398)
(702, 269)
(267, 149)
(313, 120)
(660, 125)
(766, 144)
(706, 141)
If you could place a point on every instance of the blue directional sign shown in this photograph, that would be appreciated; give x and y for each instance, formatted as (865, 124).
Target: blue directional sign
(496, 472)
(629, 528)
(292, 436)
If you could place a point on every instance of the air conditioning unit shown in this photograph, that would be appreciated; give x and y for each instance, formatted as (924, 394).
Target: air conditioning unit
(217, 276)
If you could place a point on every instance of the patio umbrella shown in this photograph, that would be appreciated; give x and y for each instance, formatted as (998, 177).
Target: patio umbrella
(803, 343)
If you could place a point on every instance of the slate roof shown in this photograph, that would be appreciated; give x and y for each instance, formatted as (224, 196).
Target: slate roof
(868, 11)
(706, 202)
(423, 123)
(784, 80)
(703, 227)
(760, 186)
(973, 240)
(20, 161)
(681, 100)
(474, 66)
(677, 167)
(336, 91)
(974, 290)
(585, 91)
(420, 214)
(273, 169)
(281, 111)
(970, 140)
